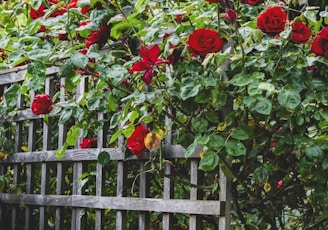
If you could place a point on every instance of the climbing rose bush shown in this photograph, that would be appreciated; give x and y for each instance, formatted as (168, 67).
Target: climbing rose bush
(242, 84)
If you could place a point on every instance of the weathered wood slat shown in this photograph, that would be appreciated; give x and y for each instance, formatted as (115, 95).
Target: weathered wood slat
(194, 220)
(201, 207)
(168, 190)
(169, 152)
(144, 217)
(18, 74)
(121, 189)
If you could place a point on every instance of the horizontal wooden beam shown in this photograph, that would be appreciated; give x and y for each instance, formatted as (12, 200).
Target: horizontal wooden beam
(198, 207)
(78, 155)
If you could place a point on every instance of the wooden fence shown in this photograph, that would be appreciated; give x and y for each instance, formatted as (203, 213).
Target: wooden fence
(72, 192)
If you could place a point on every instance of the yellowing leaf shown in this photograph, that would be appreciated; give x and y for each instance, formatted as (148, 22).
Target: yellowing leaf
(24, 148)
(152, 141)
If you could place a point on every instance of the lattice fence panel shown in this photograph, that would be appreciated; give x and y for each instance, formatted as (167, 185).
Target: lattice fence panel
(54, 193)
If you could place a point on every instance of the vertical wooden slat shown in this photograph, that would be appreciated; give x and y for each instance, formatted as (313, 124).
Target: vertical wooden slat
(60, 174)
(100, 179)
(44, 166)
(225, 195)
(30, 170)
(144, 217)
(14, 207)
(77, 215)
(18, 145)
(194, 220)
(120, 190)
(168, 192)
(2, 172)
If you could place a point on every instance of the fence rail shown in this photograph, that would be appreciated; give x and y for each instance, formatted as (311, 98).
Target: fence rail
(52, 193)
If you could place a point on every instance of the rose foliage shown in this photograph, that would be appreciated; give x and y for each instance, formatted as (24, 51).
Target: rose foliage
(245, 81)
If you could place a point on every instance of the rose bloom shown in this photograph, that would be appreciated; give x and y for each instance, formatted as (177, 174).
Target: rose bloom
(319, 45)
(230, 15)
(280, 184)
(41, 104)
(204, 41)
(98, 36)
(3, 54)
(300, 32)
(254, 2)
(272, 21)
(135, 142)
(88, 143)
(38, 13)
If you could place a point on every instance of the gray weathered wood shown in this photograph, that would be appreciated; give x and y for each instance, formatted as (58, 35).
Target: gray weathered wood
(168, 192)
(144, 217)
(225, 196)
(194, 220)
(200, 207)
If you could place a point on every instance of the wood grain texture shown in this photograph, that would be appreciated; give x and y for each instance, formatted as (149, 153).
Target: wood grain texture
(200, 207)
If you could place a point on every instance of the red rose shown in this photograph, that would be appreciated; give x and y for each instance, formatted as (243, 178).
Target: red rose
(3, 54)
(34, 14)
(300, 32)
(63, 37)
(135, 142)
(254, 2)
(88, 143)
(148, 61)
(319, 44)
(272, 21)
(230, 15)
(72, 4)
(98, 36)
(204, 41)
(41, 104)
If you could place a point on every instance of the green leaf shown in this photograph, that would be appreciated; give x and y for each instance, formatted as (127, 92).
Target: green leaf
(67, 70)
(115, 136)
(215, 142)
(79, 60)
(11, 95)
(141, 5)
(235, 148)
(199, 124)
(103, 158)
(190, 149)
(209, 161)
(314, 153)
(65, 116)
(241, 79)
(188, 91)
(119, 29)
(93, 103)
(61, 151)
(35, 4)
(114, 120)
(72, 135)
(263, 106)
(241, 132)
(39, 54)
(289, 99)
(127, 132)
(133, 116)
